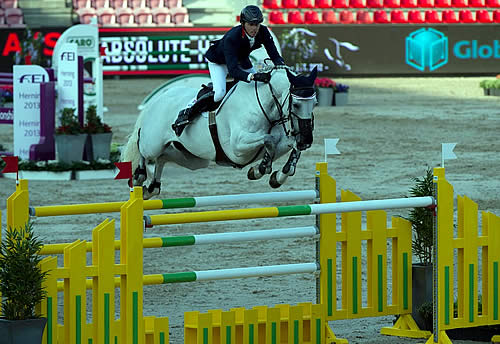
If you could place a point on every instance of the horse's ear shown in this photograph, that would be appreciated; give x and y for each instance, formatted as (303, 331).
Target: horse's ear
(290, 76)
(313, 74)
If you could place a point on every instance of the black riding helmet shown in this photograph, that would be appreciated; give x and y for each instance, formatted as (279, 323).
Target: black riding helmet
(251, 14)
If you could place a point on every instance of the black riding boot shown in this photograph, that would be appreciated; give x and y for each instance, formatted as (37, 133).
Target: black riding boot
(187, 115)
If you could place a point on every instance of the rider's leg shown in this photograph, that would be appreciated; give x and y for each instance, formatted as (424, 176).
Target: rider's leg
(218, 75)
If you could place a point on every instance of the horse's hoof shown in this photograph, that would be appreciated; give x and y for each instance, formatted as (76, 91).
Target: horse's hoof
(273, 180)
(251, 174)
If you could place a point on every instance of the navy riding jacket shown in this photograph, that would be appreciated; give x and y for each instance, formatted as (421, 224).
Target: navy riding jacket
(234, 50)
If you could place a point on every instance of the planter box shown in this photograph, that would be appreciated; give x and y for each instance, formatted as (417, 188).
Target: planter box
(486, 91)
(98, 146)
(495, 92)
(69, 148)
(22, 331)
(421, 293)
(340, 98)
(95, 174)
(44, 175)
(325, 96)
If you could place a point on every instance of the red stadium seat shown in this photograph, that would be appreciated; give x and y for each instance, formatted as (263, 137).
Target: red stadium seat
(476, 3)
(357, 4)
(364, 17)
(106, 17)
(425, 3)
(173, 3)
(161, 16)
(81, 4)
(432, 16)
(118, 3)
(14, 17)
(276, 17)
(483, 16)
(398, 17)
(295, 17)
(289, 4)
(144, 16)
(465, 16)
(86, 14)
(409, 3)
(392, 3)
(180, 16)
(98, 4)
(152, 4)
(8, 4)
(492, 3)
(125, 17)
(442, 3)
(449, 17)
(322, 3)
(306, 4)
(458, 3)
(415, 17)
(329, 17)
(496, 16)
(346, 17)
(270, 4)
(380, 17)
(311, 17)
(340, 4)
(375, 3)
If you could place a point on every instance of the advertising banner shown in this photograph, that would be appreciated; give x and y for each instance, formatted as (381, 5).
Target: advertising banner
(27, 79)
(337, 50)
(67, 78)
(420, 50)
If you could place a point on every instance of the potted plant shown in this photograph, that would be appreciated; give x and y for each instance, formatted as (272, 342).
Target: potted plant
(21, 286)
(422, 220)
(486, 86)
(298, 46)
(495, 87)
(69, 137)
(325, 88)
(99, 135)
(340, 94)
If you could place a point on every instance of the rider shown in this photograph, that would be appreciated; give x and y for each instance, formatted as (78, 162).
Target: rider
(231, 55)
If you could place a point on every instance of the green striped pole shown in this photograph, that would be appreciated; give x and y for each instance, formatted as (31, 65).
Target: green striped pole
(203, 239)
(293, 210)
(175, 203)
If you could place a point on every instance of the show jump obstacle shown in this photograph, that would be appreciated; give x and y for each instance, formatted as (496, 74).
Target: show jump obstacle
(303, 323)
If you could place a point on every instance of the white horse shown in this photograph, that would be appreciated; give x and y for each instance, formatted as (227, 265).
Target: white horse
(256, 121)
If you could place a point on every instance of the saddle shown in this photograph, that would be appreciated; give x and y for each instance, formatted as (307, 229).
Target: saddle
(209, 87)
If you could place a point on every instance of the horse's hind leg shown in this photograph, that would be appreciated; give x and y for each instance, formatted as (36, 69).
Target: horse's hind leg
(266, 164)
(278, 178)
(154, 187)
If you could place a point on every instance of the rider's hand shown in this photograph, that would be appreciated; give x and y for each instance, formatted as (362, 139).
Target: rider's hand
(262, 77)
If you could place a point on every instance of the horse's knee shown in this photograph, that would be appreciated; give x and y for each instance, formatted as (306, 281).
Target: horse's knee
(219, 93)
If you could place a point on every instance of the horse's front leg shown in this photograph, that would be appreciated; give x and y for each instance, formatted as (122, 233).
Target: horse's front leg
(278, 178)
(140, 173)
(154, 187)
(266, 164)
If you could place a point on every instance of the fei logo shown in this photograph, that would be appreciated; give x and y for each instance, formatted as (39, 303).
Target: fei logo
(68, 56)
(32, 78)
(426, 48)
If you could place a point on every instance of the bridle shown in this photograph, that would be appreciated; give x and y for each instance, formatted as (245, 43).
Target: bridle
(283, 119)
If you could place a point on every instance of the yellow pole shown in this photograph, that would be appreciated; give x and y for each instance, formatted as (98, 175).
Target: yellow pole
(18, 206)
(131, 255)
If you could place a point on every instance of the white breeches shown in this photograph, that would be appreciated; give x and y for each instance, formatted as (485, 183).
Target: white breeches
(218, 73)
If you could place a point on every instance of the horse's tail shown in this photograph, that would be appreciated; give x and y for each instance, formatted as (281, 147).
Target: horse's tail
(131, 151)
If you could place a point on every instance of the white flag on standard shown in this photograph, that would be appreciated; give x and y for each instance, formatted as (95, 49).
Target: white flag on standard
(447, 152)
(331, 147)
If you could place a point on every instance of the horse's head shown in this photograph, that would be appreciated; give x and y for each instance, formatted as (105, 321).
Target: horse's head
(301, 104)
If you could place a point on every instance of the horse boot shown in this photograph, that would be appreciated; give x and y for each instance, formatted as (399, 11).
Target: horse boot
(188, 114)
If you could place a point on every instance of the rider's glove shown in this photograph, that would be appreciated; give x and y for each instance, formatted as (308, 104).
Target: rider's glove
(262, 77)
